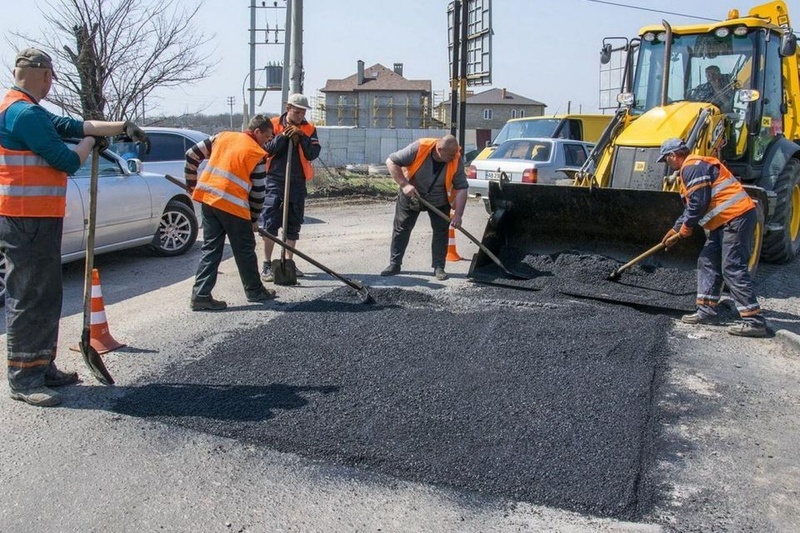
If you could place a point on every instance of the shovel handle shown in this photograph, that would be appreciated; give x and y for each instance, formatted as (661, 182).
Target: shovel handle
(657, 248)
(471, 237)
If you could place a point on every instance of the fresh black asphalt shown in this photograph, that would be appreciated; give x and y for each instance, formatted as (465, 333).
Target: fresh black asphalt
(507, 393)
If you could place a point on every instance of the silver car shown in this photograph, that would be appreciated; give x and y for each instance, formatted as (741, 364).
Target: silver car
(134, 208)
(538, 160)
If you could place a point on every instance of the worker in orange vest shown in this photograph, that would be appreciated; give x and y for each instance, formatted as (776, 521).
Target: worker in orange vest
(231, 191)
(717, 202)
(433, 169)
(291, 130)
(34, 164)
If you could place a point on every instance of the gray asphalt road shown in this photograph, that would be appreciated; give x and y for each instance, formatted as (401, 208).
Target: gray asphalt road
(725, 417)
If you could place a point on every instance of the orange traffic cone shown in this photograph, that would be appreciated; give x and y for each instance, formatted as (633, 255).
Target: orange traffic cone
(100, 338)
(452, 253)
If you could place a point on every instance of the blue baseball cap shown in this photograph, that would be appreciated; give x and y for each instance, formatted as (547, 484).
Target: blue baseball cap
(669, 146)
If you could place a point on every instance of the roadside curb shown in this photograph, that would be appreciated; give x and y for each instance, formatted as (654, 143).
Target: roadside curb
(790, 339)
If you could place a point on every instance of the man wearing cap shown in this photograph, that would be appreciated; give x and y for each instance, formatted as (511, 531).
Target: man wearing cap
(717, 202)
(34, 164)
(303, 148)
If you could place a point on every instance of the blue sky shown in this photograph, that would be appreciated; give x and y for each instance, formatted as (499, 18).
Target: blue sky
(547, 50)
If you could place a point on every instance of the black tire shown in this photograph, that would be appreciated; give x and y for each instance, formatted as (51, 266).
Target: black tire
(177, 230)
(782, 246)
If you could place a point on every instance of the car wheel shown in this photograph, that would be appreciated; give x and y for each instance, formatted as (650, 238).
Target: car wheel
(177, 230)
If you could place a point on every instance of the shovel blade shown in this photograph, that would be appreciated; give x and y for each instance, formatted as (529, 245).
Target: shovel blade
(284, 272)
(94, 362)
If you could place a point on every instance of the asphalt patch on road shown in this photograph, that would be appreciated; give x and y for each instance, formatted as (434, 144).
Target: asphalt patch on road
(647, 284)
(541, 401)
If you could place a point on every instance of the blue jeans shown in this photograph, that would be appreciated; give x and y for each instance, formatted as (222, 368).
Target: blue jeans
(34, 292)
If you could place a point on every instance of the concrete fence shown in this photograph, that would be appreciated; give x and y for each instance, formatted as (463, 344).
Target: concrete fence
(342, 146)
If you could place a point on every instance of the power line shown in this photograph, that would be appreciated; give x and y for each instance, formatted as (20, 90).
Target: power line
(652, 10)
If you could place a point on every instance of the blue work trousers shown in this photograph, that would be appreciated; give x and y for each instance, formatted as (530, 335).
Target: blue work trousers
(724, 258)
(34, 292)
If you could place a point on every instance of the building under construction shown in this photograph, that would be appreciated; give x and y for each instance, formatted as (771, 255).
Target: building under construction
(377, 97)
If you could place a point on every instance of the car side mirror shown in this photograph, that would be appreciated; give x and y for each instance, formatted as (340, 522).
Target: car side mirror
(788, 44)
(134, 165)
(605, 54)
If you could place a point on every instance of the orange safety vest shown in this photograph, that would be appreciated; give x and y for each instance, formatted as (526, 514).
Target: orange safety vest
(29, 187)
(728, 198)
(308, 130)
(225, 183)
(426, 146)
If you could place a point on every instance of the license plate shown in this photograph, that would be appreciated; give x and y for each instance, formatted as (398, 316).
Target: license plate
(494, 176)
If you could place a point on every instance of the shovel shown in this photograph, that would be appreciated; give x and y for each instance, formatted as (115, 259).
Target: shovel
(362, 290)
(483, 248)
(283, 270)
(90, 355)
(614, 276)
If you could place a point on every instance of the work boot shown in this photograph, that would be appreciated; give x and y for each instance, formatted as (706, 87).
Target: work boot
(391, 270)
(57, 378)
(266, 272)
(748, 329)
(297, 272)
(261, 296)
(40, 397)
(439, 273)
(697, 318)
(207, 303)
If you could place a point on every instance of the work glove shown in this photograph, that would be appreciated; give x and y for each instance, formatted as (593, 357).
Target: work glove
(101, 143)
(136, 134)
(671, 238)
(290, 132)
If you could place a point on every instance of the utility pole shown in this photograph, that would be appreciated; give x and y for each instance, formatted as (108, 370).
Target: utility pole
(454, 77)
(271, 36)
(296, 48)
(231, 103)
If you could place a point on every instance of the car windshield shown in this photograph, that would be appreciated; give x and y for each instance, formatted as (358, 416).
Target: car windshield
(533, 150)
(528, 128)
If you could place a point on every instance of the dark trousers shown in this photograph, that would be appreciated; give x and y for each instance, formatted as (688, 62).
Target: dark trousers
(405, 219)
(724, 258)
(218, 224)
(34, 292)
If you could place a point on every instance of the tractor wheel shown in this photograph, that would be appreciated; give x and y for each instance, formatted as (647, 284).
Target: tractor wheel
(782, 246)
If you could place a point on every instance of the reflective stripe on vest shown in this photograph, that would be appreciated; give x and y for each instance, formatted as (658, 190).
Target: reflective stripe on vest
(29, 187)
(728, 198)
(225, 183)
(308, 130)
(426, 146)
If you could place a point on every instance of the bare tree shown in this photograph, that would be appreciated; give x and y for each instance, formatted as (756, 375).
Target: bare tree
(118, 52)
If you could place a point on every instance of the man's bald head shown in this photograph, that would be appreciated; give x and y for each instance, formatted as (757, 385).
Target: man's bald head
(447, 148)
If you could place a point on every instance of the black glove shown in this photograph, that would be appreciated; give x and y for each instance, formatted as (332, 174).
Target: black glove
(136, 134)
(101, 143)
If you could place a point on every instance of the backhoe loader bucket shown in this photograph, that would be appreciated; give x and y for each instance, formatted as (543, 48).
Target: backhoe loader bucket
(575, 237)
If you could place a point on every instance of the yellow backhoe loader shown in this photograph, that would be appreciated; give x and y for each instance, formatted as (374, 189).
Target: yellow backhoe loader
(729, 89)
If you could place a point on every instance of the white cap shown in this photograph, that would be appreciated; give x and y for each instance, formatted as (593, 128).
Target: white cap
(298, 100)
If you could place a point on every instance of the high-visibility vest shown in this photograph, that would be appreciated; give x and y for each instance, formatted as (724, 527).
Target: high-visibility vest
(728, 198)
(225, 183)
(29, 187)
(308, 129)
(426, 145)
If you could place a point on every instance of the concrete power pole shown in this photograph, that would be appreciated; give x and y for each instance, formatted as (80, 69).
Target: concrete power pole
(296, 48)
(231, 103)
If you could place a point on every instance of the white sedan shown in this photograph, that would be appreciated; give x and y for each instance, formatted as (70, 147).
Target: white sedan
(134, 208)
(538, 160)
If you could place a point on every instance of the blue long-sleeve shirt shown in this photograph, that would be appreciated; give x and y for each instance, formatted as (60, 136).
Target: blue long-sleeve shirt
(278, 147)
(27, 126)
(697, 178)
